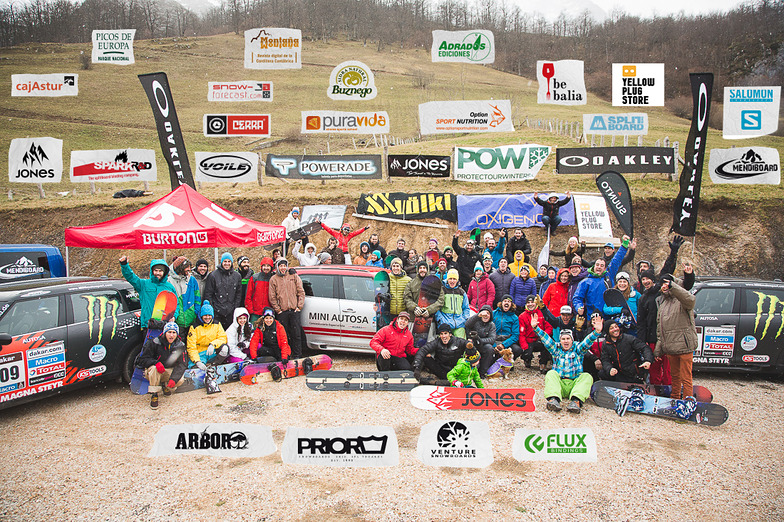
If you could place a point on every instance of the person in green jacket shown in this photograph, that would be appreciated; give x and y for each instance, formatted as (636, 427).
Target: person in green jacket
(149, 288)
(465, 372)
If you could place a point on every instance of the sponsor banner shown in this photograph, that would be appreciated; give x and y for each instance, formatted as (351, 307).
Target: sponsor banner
(414, 206)
(636, 84)
(616, 193)
(562, 445)
(273, 48)
(503, 163)
(355, 166)
(407, 166)
(592, 217)
(346, 446)
(756, 358)
(217, 440)
(444, 117)
(13, 267)
(239, 91)
(625, 160)
(715, 341)
(352, 80)
(113, 46)
(35, 160)
(750, 112)
(56, 84)
(745, 165)
(234, 167)
(34, 371)
(113, 165)
(561, 82)
(494, 211)
(463, 46)
(686, 204)
(330, 215)
(221, 125)
(455, 444)
(314, 122)
(616, 124)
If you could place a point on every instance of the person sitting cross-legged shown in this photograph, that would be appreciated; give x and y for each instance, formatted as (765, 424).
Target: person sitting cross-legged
(164, 361)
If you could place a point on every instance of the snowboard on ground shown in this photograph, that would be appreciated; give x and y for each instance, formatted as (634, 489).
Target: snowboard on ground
(623, 401)
(615, 299)
(377, 381)
(428, 294)
(701, 393)
(450, 398)
(305, 231)
(194, 378)
(383, 299)
(256, 373)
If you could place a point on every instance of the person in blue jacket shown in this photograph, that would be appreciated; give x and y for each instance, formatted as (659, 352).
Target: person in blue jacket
(375, 259)
(149, 289)
(507, 326)
(521, 287)
(496, 250)
(456, 309)
(589, 296)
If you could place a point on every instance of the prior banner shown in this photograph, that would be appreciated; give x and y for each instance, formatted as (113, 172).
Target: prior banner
(239, 91)
(215, 440)
(444, 117)
(745, 165)
(493, 211)
(352, 80)
(35, 160)
(330, 215)
(616, 124)
(346, 446)
(463, 46)
(592, 217)
(113, 165)
(616, 193)
(561, 82)
(407, 166)
(234, 167)
(315, 122)
(750, 112)
(563, 445)
(56, 84)
(498, 164)
(113, 46)
(402, 205)
(273, 48)
(593, 160)
(635, 84)
(455, 444)
(355, 166)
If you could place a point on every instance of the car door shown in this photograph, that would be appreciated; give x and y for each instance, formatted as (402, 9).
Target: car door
(716, 312)
(761, 328)
(357, 311)
(320, 314)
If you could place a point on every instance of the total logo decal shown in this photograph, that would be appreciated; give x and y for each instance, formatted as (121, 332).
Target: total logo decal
(113, 165)
(314, 122)
(218, 440)
(49, 85)
(460, 444)
(22, 267)
(239, 91)
(347, 446)
(566, 445)
(35, 160)
(216, 125)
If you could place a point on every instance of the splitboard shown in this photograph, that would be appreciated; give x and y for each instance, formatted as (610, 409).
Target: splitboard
(449, 398)
(305, 231)
(383, 298)
(194, 378)
(614, 298)
(428, 294)
(701, 393)
(623, 401)
(256, 373)
(377, 381)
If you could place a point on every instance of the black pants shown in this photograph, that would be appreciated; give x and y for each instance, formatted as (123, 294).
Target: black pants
(437, 368)
(393, 363)
(292, 323)
(224, 319)
(487, 351)
(537, 346)
(517, 352)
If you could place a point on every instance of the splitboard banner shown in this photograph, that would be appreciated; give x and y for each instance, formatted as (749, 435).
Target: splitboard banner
(156, 85)
(357, 166)
(562, 445)
(444, 117)
(476, 46)
(494, 211)
(35, 160)
(751, 112)
(113, 165)
(745, 165)
(346, 446)
(616, 193)
(499, 164)
(273, 48)
(330, 215)
(684, 211)
(215, 440)
(626, 160)
(232, 167)
(593, 220)
(411, 206)
(56, 84)
(630, 123)
(455, 444)
(113, 46)
(408, 166)
(561, 82)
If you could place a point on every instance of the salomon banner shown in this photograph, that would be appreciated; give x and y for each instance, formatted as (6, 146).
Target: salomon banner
(56, 84)
(402, 205)
(616, 193)
(626, 160)
(504, 211)
(359, 166)
(216, 440)
(35, 160)
(616, 124)
(234, 167)
(113, 46)
(455, 444)
(463, 46)
(561, 82)
(345, 446)
(684, 212)
(444, 117)
(502, 163)
(404, 166)
(745, 165)
(273, 48)
(113, 165)
(750, 112)
(156, 85)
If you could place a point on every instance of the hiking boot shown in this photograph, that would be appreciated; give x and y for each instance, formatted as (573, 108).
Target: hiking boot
(154, 401)
(275, 372)
(307, 366)
(166, 391)
(553, 404)
(573, 406)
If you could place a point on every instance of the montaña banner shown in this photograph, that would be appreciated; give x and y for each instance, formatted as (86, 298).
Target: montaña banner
(504, 211)
(354, 166)
(616, 193)
(402, 205)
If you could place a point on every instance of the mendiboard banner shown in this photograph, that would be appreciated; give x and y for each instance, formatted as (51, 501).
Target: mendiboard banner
(113, 165)
(745, 165)
(750, 112)
(412, 206)
(345, 446)
(273, 48)
(49, 85)
(455, 444)
(354, 166)
(35, 160)
(616, 193)
(636, 84)
(330, 215)
(409, 166)
(561, 82)
(498, 164)
(327, 122)
(113, 46)
(216, 440)
(626, 160)
(232, 167)
(593, 220)
(630, 123)
(239, 91)
(476, 46)
(444, 117)
(494, 211)
(352, 80)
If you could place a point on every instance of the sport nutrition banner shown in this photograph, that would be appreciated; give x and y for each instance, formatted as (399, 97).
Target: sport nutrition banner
(357, 166)
(234, 167)
(444, 117)
(616, 124)
(407, 166)
(50, 85)
(504, 211)
(402, 205)
(498, 164)
(273, 48)
(616, 193)
(463, 46)
(745, 165)
(113, 165)
(113, 46)
(626, 160)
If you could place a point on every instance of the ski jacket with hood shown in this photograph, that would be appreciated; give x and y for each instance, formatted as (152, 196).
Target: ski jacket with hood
(148, 288)
(306, 258)
(158, 350)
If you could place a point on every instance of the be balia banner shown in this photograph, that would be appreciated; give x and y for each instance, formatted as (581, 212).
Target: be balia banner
(561, 82)
(616, 193)
(494, 211)
(402, 205)
(593, 220)
(408, 166)
(273, 48)
(232, 167)
(56, 84)
(113, 165)
(626, 160)
(745, 165)
(476, 46)
(35, 160)
(751, 112)
(444, 117)
(356, 166)
(498, 164)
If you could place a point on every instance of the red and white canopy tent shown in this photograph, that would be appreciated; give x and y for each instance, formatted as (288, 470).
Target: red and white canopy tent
(181, 219)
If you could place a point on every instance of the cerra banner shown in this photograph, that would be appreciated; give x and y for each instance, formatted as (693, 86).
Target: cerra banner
(113, 165)
(239, 91)
(235, 167)
(625, 160)
(593, 220)
(561, 82)
(347, 446)
(616, 124)
(273, 48)
(563, 445)
(443, 117)
(220, 125)
(455, 444)
(504, 211)
(463, 46)
(35, 160)
(352, 80)
(504, 163)
(638, 84)
(113, 46)
(314, 122)
(745, 165)
(359, 166)
(217, 440)
(56, 84)
(750, 112)
(402, 205)
(404, 166)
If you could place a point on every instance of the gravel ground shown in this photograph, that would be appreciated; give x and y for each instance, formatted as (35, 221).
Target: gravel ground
(82, 456)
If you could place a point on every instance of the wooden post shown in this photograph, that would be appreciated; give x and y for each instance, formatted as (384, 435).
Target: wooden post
(92, 187)
(41, 192)
(354, 142)
(612, 141)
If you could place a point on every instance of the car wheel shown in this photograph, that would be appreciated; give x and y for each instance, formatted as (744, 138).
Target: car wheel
(129, 364)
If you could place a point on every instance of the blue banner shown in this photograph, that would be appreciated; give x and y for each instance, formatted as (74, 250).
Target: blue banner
(495, 211)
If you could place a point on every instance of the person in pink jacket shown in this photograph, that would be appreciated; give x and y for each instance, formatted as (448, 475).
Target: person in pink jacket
(394, 345)
(481, 291)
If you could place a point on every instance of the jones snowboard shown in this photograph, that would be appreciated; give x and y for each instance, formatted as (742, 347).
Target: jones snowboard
(701, 393)
(428, 294)
(194, 378)
(614, 298)
(305, 231)
(383, 298)
(381, 381)
(449, 398)
(623, 401)
(256, 373)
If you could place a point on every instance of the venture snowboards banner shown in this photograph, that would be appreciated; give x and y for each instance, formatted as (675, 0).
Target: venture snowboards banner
(616, 193)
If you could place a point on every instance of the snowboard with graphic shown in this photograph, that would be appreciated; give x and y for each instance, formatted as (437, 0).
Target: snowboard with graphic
(376, 381)
(624, 401)
(305, 231)
(256, 373)
(429, 293)
(194, 378)
(450, 398)
(615, 299)
(383, 299)
(701, 393)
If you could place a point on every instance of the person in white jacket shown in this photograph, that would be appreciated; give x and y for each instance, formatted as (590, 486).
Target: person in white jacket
(309, 258)
(238, 335)
(291, 223)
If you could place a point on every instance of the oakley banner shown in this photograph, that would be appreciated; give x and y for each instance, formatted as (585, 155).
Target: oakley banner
(405, 166)
(494, 211)
(626, 160)
(402, 205)
(359, 166)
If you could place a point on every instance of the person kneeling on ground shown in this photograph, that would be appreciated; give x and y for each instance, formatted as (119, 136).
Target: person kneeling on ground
(441, 354)
(163, 360)
(567, 379)
(623, 355)
(269, 344)
(465, 374)
(207, 342)
(394, 345)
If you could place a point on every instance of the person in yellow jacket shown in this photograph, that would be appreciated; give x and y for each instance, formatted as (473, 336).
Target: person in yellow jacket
(398, 280)
(519, 262)
(207, 342)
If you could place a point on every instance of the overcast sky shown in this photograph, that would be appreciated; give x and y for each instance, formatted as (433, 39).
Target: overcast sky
(643, 8)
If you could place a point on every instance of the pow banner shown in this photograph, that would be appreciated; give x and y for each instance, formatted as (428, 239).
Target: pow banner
(502, 163)
(616, 193)
(504, 211)
(402, 205)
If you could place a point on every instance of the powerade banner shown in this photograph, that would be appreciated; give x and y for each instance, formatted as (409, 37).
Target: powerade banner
(57, 84)
(346, 446)
(684, 212)
(750, 112)
(315, 122)
(156, 85)
(745, 165)
(504, 163)
(561, 82)
(357, 166)
(215, 440)
(636, 84)
(504, 211)
(273, 48)
(35, 160)
(562, 445)
(113, 165)
(444, 117)
(402, 205)
(405, 166)
(455, 444)
(234, 167)
(616, 124)
(626, 160)
(113, 46)
(616, 193)
(463, 46)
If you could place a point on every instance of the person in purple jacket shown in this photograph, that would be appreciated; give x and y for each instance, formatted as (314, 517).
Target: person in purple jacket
(521, 287)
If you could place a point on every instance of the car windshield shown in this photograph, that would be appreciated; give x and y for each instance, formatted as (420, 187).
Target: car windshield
(3, 307)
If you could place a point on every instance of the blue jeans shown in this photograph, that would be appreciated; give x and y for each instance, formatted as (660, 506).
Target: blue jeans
(552, 225)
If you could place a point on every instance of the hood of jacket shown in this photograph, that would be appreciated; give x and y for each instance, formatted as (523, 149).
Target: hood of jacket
(161, 262)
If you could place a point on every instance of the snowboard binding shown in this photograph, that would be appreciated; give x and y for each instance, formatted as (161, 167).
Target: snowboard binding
(685, 409)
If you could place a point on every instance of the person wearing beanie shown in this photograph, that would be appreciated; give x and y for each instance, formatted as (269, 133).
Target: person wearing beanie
(518, 241)
(343, 237)
(207, 342)
(364, 254)
(309, 258)
(589, 296)
(257, 296)
(200, 272)
(557, 293)
(573, 247)
(551, 209)
(456, 309)
(287, 297)
(246, 272)
(609, 253)
(432, 249)
(519, 262)
(292, 223)
(441, 354)
(148, 289)
(502, 280)
(465, 373)
(441, 270)
(179, 274)
(481, 290)
(164, 361)
(451, 260)
(522, 286)
(624, 357)
(269, 343)
(411, 294)
(529, 342)
(466, 260)
(496, 250)
(325, 259)
(628, 324)
(223, 288)
(507, 327)
(482, 333)
(394, 345)
(398, 280)
(375, 259)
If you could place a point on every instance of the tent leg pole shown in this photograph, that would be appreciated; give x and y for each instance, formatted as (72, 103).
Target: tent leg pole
(216, 257)
(67, 263)
(164, 256)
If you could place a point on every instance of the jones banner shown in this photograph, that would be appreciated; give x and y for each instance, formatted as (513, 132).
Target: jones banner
(405, 166)
(35, 160)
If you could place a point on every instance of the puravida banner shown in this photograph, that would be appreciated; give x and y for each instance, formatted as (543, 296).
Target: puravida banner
(616, 193)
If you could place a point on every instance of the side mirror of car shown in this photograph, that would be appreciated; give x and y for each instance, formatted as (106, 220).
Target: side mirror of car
(5, 339)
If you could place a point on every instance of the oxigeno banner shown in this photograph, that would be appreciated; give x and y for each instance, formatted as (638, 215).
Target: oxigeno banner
(402, 205)
(504, 211)
(504, 163)
(463, 46)
(360, 166)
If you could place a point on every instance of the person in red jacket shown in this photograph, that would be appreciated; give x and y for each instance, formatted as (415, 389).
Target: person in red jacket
(394, 345)
(257, 297)
(557, 294)
(481, 291)
(529, 340)
(343, 237)
(269, 343)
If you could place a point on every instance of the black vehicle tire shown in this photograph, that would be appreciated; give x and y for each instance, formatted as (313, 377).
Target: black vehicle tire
(129, 364)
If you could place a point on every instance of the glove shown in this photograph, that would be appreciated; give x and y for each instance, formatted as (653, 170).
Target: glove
(579, 322)
(159, 367)
(284, 362)
(457, 384)
(539, 302)
(171, 384)
(210, 350)
(676, 243)
(201, 366)
(155, 325)
(241, 345)
(417, 375)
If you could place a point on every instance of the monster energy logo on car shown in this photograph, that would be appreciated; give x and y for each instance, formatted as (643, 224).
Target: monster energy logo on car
(101, 307)
(774, 301)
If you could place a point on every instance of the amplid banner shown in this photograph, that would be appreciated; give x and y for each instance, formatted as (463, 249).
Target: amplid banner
(504, 211)
(563, 445)
(750, 112)
(113, 165)
(455, 444)
(616, 124)
(444, 117)
(561, 82)
(315, 122)
(503, 163)
(745, 165)
(234, 167)
(358, 166)
(346, 446)
(626, 160)
(402, 205)
(113, 46)
(273, 48)
(35, 160)
(405, 166)
(463, 46)
(56, 84)
(616, 193)
(216, 440)
(636, 84)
